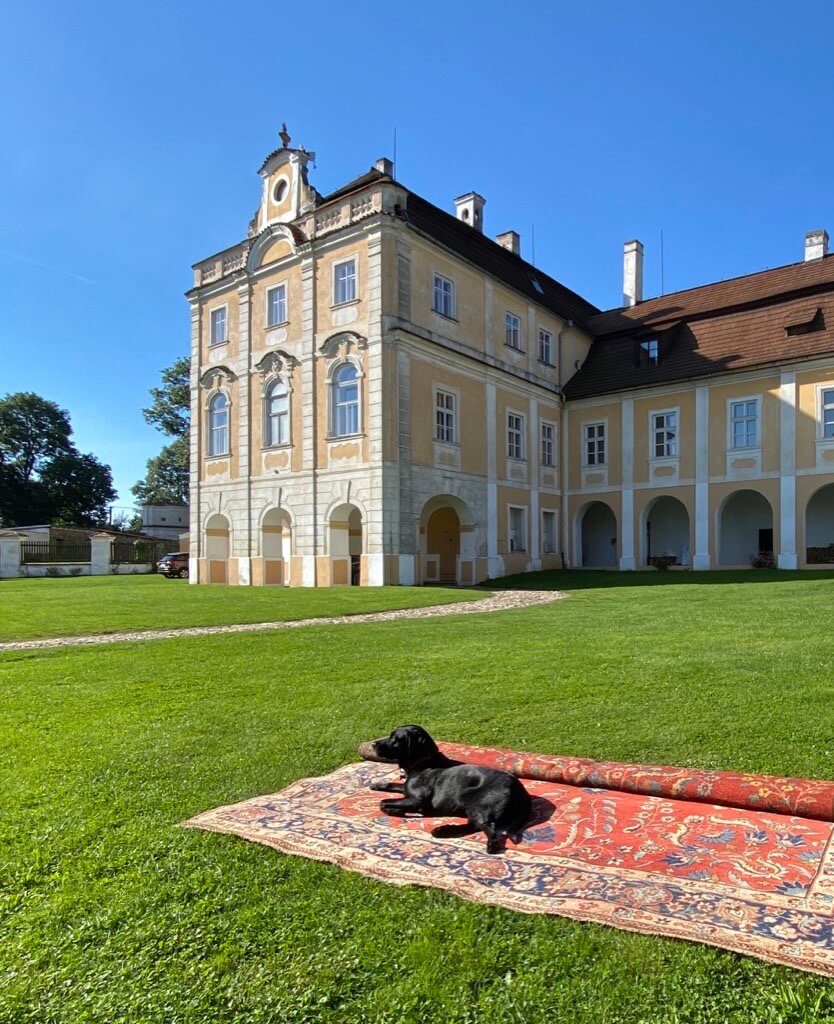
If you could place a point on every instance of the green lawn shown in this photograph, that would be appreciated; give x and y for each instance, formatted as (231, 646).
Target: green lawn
(110, 913)
(36, 608)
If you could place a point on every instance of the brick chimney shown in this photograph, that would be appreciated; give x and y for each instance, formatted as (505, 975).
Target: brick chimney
(816, 244)
(632, 273)
(470, 209)
(510, 240)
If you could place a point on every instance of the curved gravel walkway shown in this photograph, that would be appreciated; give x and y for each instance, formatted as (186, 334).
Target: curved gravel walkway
(500, 601)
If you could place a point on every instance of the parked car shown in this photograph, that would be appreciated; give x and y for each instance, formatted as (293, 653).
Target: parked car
(174, 565)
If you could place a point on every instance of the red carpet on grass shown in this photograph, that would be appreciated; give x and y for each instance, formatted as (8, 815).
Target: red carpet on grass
(739, 861)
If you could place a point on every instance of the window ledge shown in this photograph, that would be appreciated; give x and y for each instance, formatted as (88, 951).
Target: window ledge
(757, 450)
(512, 348)
(217, 455)
(447, 444)
(445, 316)
(344, 437)
(341, 305)
(544, 362)
(217, 344)
(281, 323)
(515, 458)
(276, 447)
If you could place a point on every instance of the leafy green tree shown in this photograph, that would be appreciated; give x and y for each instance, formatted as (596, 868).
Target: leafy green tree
(32, 431)
(166, 478)
(79, 489)
(43, 476)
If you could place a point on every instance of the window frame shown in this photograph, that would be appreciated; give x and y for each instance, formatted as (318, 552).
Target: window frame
(821, 409)
(335, 301)
(552, 513)
(269, 324)
(646, 356)
(452, 296)
(335, 405)
(516, 450)
(731, 421)
(447, 393)
(543, 331)
(224, 309)
(547, 424)
(654, 429)
(212, 430)
(587, 440)
(525, 543)
(508, 314)
(268, 440)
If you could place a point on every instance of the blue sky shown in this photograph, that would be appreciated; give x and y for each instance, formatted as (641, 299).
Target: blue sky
(132, 134)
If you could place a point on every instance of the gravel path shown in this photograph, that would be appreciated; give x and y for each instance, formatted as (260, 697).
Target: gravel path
(500, 601)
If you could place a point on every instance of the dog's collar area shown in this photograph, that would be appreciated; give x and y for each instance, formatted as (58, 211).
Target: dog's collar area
(416, 764)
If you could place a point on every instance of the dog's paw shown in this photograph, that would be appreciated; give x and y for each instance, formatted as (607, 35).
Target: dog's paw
(379, 787)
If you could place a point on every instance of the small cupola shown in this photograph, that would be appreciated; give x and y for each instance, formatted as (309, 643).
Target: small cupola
(286, 191)
(470, 209)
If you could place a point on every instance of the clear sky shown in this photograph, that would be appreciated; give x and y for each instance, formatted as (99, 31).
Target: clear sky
(131, 136)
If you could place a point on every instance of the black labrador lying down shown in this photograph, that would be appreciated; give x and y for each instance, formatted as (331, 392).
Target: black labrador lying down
(492, 801)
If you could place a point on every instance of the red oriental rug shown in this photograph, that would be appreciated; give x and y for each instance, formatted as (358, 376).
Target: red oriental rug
(739, 861)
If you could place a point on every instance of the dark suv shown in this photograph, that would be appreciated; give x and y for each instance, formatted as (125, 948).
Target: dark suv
(174, 565)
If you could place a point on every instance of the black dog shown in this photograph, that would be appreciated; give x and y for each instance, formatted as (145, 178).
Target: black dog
(492, 801)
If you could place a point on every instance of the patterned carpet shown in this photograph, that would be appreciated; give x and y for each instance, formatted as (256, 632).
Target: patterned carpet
(648, 854)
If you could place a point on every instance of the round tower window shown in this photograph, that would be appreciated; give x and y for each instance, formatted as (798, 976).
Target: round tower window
(279, 193)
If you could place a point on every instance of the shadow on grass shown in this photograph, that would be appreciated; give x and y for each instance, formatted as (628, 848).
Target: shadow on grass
(590, 579)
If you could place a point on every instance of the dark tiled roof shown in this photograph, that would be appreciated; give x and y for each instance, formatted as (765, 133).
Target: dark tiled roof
(718, 328)
(492, 258)
(352, 186)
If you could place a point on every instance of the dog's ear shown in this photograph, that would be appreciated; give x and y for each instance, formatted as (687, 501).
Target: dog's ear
(419, 743)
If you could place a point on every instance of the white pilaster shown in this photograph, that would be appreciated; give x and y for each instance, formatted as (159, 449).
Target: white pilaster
(376, 570)
(533, 450)
(701, 559)
(495, 563)
(787, 558)
(407, 571)
(627, 563)
(195, 540)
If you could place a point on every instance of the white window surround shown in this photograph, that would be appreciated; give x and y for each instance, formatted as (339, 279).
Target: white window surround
(281, 417)
(823, 406)
(277, 198)
(546, 354)
(444, 296)
(517, 528)
(448, 393)
(516, 436)
(354, 260)
(269, 324)
(549, 533)
(591, 433)
(739, 401)
(224, 309)
(674, 429)
(218, 432)
(512, 331)
(547, 428)
(340, 403)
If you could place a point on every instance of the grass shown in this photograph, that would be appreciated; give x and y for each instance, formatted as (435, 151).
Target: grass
(36, 608)
(109, 912)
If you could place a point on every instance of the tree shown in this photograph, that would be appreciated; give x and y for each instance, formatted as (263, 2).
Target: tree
(79, 488)
(43, 476)
(170, 411)
(32, 431)
(166, 479)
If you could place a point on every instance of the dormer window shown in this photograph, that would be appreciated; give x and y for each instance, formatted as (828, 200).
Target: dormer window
(648, 352)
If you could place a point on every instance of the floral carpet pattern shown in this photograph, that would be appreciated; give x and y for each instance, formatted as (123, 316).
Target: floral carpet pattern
(663, 862)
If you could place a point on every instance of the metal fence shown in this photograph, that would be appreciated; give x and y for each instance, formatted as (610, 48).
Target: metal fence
(135, 552)
(45, 552)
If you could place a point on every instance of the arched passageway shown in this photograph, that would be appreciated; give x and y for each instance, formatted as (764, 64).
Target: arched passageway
(745, 528)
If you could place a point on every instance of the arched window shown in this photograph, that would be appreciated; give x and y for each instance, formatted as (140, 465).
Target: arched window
(345, 401)
(276, 414)
(218, 425)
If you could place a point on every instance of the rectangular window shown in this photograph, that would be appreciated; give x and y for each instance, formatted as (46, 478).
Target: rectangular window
(276, 305)
(665, 432)
(515, 436)
(548, 533)
(744, 418)
(218, 326)
(546, 347)
(344, 282)
(445, 416)
(444, 296)
(649, 352)
(595, 444)
(512, 331)
(518, 528)
(828, 412)
(548, 444)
